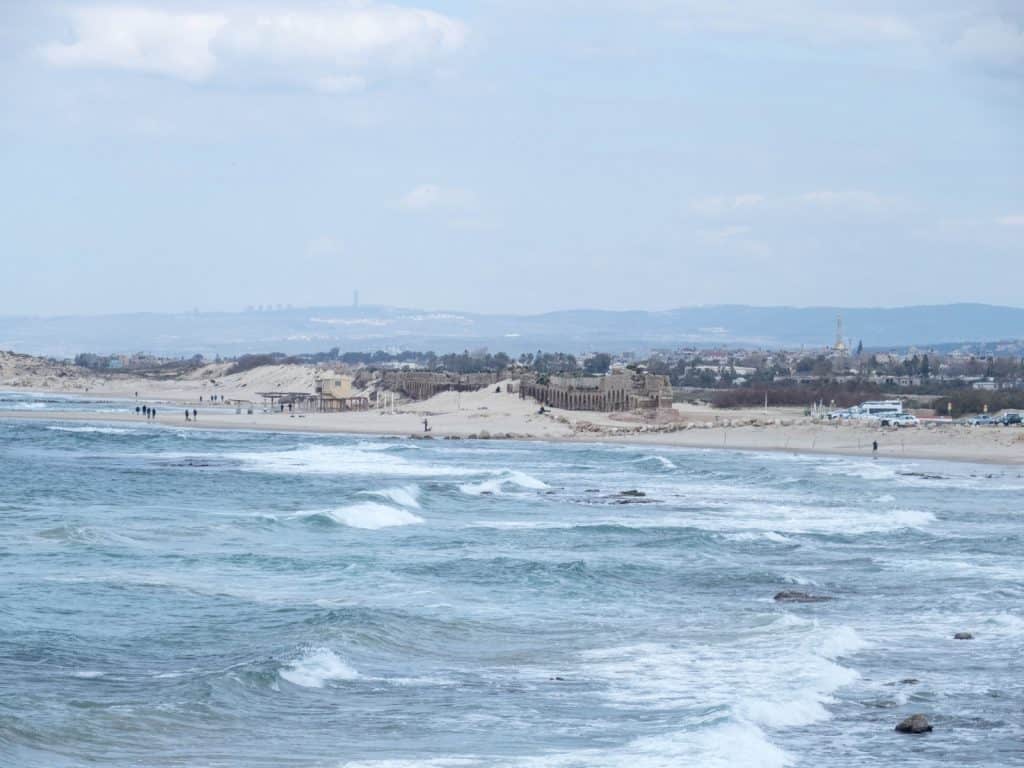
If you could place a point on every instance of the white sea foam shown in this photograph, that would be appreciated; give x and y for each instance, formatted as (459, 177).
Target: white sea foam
(864, 469)
(809, 519)
(778, 538)
(661, 460)
(404, 496)
(93, 430)
(368, 515)
(316, 668)
(496, 485)
(433, 762)
(727, 745)
(782, 676)
(87, 674)
(842, 641)
(342, 460)
(1007, 624)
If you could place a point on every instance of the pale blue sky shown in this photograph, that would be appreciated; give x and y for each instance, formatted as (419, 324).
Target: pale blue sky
(510, 155)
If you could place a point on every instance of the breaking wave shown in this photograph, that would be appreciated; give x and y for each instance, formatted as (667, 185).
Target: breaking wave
(368, 515)
(405, 496)
(316, 668)
(496, 485)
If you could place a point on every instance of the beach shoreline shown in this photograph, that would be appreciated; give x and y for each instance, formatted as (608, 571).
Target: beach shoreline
(990, 445)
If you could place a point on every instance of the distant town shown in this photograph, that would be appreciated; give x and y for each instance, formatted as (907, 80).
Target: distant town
(953, 379)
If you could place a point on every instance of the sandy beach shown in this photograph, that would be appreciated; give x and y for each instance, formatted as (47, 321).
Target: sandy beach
(487, 414)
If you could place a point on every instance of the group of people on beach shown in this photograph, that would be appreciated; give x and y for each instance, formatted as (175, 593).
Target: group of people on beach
(150, 412)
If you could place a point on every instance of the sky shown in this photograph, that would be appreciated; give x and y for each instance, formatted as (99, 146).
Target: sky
(509, 155)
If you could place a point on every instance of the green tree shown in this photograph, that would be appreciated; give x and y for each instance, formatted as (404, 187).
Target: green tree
(598, 364)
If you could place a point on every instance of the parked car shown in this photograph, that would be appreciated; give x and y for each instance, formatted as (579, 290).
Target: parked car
(1012, 418)
(845, 414)
(900, 420)
(982, 421)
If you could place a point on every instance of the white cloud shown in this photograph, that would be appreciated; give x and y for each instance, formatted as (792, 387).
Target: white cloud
(324, 246)
(339, 83)
(849, 200)
(359, 33)
(1014, 220)
(993, 41)
(724, 233)
(431, 196)
(141, 39)
(814, 21)
(724, 204)
(353, 37)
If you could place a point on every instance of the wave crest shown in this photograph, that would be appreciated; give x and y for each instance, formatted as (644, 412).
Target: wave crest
(316, 668)
(367, 515)
(496, 485)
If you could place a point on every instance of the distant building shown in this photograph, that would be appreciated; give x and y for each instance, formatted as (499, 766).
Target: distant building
(616, 391)
(334, 385)
(840, 347)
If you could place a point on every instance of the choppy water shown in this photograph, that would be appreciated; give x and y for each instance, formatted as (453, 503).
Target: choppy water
(185, 598)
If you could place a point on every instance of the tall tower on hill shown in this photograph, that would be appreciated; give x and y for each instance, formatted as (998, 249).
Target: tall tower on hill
(840, 345)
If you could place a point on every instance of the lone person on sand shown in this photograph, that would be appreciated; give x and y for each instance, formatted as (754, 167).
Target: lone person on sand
(874, 448)
(195, 415)
(426, 427)
(186, 414)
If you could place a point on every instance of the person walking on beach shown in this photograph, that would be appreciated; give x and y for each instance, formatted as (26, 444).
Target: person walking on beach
(186, 414)
(152, 412)
(195, 414)
(874, 449)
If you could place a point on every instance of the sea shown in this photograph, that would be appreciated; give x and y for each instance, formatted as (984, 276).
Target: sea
(189, 598)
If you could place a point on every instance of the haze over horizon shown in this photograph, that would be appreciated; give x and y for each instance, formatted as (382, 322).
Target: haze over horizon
(510, 155)
(379, 306)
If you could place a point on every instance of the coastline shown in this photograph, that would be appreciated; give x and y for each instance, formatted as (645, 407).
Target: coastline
(989, 445)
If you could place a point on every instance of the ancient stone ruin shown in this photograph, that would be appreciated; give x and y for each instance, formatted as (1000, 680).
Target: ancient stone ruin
(618, 391)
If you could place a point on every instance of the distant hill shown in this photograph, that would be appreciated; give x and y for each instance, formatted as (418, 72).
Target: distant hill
(375, 327)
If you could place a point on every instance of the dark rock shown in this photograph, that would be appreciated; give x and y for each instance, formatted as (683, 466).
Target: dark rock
(633, 493)
(963, 636)
(909, 681)
(800, 597)
(558, 679)
(914, 724)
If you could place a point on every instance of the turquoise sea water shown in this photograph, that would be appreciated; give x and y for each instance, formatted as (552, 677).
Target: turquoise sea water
(186, 598)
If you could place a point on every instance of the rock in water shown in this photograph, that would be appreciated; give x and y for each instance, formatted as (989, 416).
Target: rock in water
(914, 724)
(799, 597)
(963, 636)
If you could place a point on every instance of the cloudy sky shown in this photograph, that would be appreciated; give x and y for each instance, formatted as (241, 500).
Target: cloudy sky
(510, 154)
